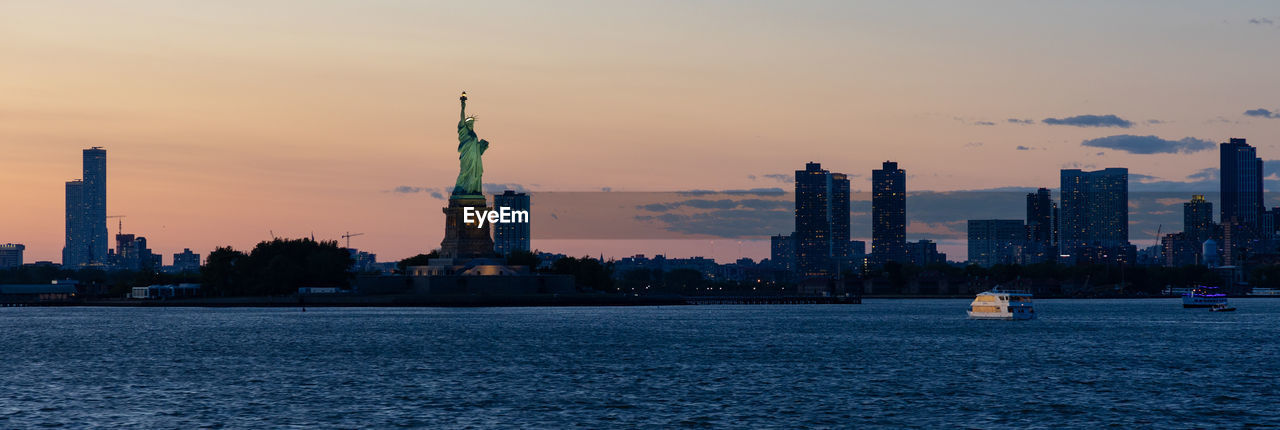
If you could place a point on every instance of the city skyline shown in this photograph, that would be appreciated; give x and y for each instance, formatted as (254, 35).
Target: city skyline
(337, 131)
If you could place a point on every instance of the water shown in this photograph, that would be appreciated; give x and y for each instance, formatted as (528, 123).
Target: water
(892, 363)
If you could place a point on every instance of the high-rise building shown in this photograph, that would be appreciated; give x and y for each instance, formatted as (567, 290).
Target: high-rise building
(1040, 216)
(813, 221)
(186, 261)
(840, 216)
(821, 237)
(1270, 223)
(514, 236)
(889, 213)
(1178, 249)
(76, 250)
(1042, 228)
(1241, 186)
(1094, 213)
(11, 255)
(1197, 219)
(995, 241)
(782, 252)
(132, 253)
(95, 201)
(86, 211)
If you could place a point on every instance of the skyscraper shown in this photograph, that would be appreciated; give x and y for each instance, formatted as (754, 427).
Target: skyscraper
(1197, 219)
(1094, 211)
(86, 210)
(515, 236)
(813, 221)
(840, 216)
(995, 241)
(1040, 214)
(821, 238)
(76, 250)
(1241, 185)
(95, 202)
(1042, 227)
(889, 213)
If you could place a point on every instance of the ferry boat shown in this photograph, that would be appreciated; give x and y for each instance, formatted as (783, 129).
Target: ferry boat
(1002, 305)
(1203, 297)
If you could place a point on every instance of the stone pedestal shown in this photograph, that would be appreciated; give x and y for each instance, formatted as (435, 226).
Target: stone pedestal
(462, 240)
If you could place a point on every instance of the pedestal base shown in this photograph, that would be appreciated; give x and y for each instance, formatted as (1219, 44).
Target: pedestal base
(462, 240)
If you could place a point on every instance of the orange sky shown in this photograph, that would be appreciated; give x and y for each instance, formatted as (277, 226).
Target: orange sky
(224, 121)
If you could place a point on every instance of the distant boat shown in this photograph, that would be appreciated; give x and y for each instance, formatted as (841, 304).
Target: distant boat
(1000, 304)
(1203, 297)
(1222, 308)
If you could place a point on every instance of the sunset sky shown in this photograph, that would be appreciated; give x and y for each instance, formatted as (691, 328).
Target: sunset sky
(226, 121)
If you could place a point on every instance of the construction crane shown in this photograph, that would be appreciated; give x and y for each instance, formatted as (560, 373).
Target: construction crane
(119, 223)
(348, 237)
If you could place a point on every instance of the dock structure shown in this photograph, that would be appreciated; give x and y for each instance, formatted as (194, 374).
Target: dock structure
(772, 300)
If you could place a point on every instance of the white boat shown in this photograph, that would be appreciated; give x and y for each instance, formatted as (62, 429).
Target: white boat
(1002, 305)
(1203, 297)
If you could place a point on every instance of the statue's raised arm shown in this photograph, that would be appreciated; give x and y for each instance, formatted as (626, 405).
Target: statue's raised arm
(463, 99)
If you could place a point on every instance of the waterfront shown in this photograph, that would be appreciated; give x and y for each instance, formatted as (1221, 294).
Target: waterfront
(887, 362)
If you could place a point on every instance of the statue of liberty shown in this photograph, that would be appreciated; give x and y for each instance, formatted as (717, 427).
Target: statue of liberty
(470, 149)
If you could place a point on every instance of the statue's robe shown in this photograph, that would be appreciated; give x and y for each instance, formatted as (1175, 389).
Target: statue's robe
(470, 168)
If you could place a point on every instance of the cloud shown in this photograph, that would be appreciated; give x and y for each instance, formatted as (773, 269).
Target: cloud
(973, 144)
(606, 189)
(499, 188)
(753, 191)
(436, 193)
(751, 177)
(1023, 148)
(1021, 121)
(1090, 121)
(780, 177)
(1149, 144)
(1262, 113)
(983, 123)
(1206, 174)
(1262, 21)
(1154, 121)
(1142, 178)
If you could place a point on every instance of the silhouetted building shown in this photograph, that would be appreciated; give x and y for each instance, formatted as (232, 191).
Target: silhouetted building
(186, 261)
(889, 213)
(76, 250)
(515, 236)
(782, 252)
(1197, 219)
(11, 255)
(86, 212)
(857, 248)
(839, 215)
(1241, 187)
(821, 220)
(132, 253)
(1095, 213)
(1042, 228)
(1179, 249)
(995, 241)
(1270, 223)
(924, 252)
